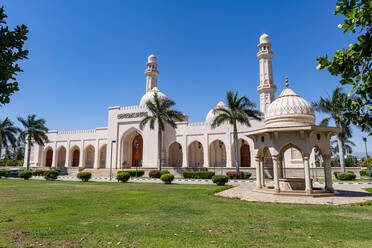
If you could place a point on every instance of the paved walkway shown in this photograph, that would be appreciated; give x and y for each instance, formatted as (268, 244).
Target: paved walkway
(346, 194)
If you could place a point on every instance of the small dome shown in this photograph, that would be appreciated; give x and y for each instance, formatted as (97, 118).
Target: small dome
(210, 116)
(289, 109)
(150, 95)
(151, 59)
(264, 38)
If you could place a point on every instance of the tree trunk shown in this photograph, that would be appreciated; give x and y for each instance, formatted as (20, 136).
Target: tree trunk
(341, 153)
(236, 149)
(28, 154)
(159, 149)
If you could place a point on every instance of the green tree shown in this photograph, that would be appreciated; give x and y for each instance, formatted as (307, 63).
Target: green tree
(34, 130)
(162, 114)
(11, 51)
(8, 134)
(348, 144)
(334, 107)
(238, 110)
(354, 63)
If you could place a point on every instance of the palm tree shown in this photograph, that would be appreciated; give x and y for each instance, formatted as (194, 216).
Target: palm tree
(7, 134)
(333, 107)
(347, 146)
(238, 110)
(162, 114)
(34, 130)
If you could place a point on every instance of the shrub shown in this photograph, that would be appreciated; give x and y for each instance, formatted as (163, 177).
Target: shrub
(335, 173)
(365, 164)
(346, 176)
(25, 174)
(84, 176)
(3, 172)
(154, 174)
(20, 162)
(198, 174)
(365, 172)
(220, 180)
(11, 163)
(38, 172)
(132, 173)
(51, 174)
(167, 178)
(2, 162)
(247, 175)
(162, 172)
(122, 176)
(238, 175)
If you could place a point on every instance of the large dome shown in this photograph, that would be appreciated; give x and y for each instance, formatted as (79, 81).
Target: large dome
(289, 109)
(150, 95)
(210, 116)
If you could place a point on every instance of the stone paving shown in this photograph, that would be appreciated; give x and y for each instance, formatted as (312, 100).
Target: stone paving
(346, 194)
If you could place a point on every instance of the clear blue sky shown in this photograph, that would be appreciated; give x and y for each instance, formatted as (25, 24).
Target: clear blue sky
(88, 55)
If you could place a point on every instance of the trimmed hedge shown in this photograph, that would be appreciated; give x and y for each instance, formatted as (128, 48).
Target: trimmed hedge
(122, 176)
(132, 173)
(346, 176)
(335, 173)
(25, 174)
(238, 175)
(220, 180)
(365, 172)
(162, 172)
(198, 174)
(3, 172)
(51, 174)
(12, 163)
(84, 176)
(167, 178)
(38, 172)
(154, 174)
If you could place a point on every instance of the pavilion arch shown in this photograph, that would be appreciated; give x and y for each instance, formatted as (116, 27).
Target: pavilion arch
(195, 154)
(244, 152)
(48, 156)
(102, 156)
(291, 156)
(89, 156)
(175, 155)
(74, 156)
(217, 154)
(130, 154)
(61, 156)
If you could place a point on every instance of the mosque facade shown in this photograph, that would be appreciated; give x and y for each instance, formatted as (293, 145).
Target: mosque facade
(286, 137)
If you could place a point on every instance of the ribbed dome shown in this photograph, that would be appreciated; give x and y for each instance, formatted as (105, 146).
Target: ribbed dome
(289, 109)
(264, 38)
(150, 95)
(151, 59)
(210, 116)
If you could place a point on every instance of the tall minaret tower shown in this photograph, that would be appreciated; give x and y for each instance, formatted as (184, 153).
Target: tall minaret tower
(151, 73)
(267, 88)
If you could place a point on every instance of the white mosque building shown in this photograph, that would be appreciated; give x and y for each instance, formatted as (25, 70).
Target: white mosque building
(280, 145)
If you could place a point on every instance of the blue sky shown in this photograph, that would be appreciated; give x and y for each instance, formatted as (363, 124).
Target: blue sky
(88, 55)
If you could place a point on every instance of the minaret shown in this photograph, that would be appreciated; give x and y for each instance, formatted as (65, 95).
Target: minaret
(267, 87)
(151, 73)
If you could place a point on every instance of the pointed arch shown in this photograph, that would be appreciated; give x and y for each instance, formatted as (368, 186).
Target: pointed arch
(175, 155)
(89, 156)
(75, 156)
(102, 156)
(48, 156)
(61, 156)
(130, 153)
(217, 154)
(195, 154)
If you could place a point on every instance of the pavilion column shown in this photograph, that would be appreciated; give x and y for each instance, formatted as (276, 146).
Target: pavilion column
(308, 186)
(262, 174)
(280, 161)
(328, 173)
(258, 173)
(276, 173)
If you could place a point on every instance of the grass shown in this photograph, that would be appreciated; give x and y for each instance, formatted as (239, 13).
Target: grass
(93, 214)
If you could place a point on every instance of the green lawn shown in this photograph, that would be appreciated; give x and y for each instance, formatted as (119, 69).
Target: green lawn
(75, 214)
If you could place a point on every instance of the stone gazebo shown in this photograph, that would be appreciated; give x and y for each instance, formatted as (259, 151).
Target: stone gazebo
(290, 123)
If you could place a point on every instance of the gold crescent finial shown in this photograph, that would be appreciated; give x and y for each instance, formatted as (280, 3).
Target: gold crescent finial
(286, 82)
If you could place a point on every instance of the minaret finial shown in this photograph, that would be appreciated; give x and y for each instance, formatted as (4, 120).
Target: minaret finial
(286, 82)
